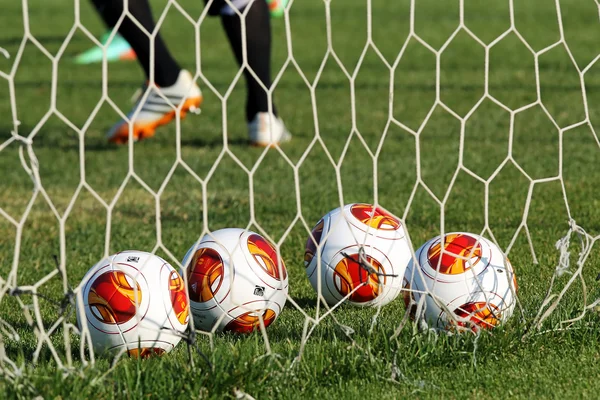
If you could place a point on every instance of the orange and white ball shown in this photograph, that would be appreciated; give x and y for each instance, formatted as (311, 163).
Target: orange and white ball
(466, 281)
(235, 278)
(349, 238)
(136, 301)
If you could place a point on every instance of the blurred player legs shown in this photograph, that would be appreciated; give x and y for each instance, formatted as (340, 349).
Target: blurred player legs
(181, 93)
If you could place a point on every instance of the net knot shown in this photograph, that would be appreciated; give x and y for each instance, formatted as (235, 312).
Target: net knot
(190, 337)
(67, 300)
(27, 141)
(364, 263)
(562, 245)
(16, 291)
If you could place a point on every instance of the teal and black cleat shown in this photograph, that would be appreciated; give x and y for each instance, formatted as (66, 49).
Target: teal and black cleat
(117, 50)
(276, 7)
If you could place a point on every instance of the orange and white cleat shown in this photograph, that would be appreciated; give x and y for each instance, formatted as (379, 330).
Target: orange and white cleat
(155, 111)
(267, 130)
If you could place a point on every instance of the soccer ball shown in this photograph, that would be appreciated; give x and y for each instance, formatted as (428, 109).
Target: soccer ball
(235, 278)
(473, 283)
(134, 300)
(363, 256)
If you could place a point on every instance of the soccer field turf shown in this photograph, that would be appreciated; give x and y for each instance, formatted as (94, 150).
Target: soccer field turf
(546, 175)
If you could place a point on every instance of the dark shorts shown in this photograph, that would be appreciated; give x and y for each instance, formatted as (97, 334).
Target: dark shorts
(215, 6)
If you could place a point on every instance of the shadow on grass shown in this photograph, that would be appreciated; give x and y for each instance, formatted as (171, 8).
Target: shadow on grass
(308, 304)
(95, 143)
(120, 83)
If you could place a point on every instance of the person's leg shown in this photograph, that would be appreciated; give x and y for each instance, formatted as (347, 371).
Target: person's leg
(166, 69)
(264, 127)
(258, 46)
(177, 85)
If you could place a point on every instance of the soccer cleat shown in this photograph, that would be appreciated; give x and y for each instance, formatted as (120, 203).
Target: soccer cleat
(118, 49)
(276, 7)
(267, 130)
(155, 111)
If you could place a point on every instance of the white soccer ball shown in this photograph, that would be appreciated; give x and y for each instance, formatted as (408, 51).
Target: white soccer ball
(235, 278)
(470, 284)
(364, 253)
(136, 301)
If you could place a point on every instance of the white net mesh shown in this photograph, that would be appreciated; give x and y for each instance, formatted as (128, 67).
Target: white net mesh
(414, 127)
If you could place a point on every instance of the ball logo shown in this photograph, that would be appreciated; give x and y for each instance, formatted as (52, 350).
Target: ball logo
(250, 321)
(113, 297)
(205, 275)
(266, 256)
(375, 217)
(460, 253)
(311, 244)
(178, 297)
(349, 275)
(479, 314)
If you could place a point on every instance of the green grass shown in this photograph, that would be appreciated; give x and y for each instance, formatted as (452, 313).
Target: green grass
(333, 365)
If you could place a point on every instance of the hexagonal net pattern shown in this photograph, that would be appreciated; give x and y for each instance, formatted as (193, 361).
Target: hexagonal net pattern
(539, 129)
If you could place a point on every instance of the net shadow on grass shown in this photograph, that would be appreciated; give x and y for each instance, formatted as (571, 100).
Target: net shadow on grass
(213, 144)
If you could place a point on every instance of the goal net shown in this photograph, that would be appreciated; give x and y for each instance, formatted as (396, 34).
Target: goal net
(455, 117)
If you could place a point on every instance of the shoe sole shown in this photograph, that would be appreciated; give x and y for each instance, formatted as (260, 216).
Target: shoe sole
(266, 144)
(285, 139)
(128, 55)
(145, 131)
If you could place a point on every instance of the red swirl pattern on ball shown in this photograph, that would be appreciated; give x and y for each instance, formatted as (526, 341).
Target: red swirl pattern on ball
(178, 298)
(458, 248)
(112, 298)
(479, 314)
(349, 275)
(250, 321)
(266, 256)
(375, 217)
(205, 275)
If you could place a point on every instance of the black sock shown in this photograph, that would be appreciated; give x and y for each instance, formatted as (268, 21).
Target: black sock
(258, 41)
(166, 69)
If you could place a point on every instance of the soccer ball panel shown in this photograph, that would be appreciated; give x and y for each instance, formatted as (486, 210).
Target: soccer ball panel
(350, 277)
(374, 217)
(205, 274)
(113, 297)
(450, 259)
(246, 318)
(266, 257)
(175, 299)
(458, 254)
(479, 313)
